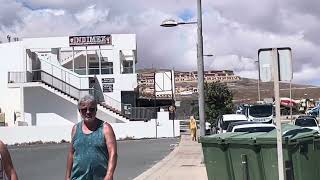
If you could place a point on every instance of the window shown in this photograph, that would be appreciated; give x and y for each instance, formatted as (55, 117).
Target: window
(127, 67)
(106, 67)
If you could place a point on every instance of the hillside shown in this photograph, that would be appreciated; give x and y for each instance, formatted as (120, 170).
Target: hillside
(246, 90)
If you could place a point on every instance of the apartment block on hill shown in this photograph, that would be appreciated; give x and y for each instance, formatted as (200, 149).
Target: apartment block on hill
(185, 82)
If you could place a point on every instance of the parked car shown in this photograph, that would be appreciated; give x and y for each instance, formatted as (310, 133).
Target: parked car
(208, 128)
(307, 122)
(250, 127)
(313, 111)
(226, 119)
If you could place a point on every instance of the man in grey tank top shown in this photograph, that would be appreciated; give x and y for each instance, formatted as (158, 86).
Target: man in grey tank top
(93, 150)
(7, 170)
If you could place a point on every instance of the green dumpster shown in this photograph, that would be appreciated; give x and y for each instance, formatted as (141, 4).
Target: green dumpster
(253, 156)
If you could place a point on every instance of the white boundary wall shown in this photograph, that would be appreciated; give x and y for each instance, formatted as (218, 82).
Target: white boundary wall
(136, 130)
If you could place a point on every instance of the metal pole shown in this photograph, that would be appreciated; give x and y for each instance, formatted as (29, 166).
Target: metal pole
(87, 72)
(278, 120)
(73, 59)
(155, 101)
(173, 103)
(259, 97)
(291, 104)
(200, 70)
(258, 80)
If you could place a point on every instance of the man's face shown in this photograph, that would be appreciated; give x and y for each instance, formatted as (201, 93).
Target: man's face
(88, 110)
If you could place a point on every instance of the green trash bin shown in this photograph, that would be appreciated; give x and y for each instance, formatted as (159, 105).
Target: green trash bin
(301, 153)
(253, 156)
(216, 156)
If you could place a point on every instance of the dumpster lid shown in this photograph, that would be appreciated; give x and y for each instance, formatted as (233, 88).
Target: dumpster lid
(219, 138)
(290, 133)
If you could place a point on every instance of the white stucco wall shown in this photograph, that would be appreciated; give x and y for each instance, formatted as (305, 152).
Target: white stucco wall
(123, 82)
(38, 102)
(12, 59)
(43, 108)
(136, 130)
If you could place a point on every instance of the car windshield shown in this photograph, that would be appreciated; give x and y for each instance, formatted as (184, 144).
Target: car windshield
(226, 124)
(260, 110)
(254, 129)
(306, 122)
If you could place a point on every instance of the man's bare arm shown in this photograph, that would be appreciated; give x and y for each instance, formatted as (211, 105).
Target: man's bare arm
(7, 162)
(70, 155)
(112, 150)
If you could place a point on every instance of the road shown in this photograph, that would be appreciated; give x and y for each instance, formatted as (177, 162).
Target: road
(39, 162)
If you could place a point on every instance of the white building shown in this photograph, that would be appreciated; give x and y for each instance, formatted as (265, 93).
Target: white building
(42, 78)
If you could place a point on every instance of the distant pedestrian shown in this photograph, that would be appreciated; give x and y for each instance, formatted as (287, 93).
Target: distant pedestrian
(93, 150)
(7, 171)
(193, 128)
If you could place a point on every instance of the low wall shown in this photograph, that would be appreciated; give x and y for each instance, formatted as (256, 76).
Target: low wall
(136, 130)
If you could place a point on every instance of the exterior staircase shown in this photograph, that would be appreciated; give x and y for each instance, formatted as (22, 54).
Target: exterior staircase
(72, 91)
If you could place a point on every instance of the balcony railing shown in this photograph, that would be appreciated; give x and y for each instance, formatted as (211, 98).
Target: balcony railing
(50, 80)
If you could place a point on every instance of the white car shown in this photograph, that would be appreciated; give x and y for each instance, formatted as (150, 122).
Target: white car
(226, 119)
(307, 122)
(255, 127)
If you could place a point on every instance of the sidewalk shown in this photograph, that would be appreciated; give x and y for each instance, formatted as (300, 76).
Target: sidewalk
(184, 162)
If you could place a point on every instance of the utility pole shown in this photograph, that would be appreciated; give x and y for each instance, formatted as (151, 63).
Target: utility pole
(200, 70)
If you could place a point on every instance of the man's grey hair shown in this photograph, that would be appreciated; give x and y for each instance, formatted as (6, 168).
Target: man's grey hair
(86, 98)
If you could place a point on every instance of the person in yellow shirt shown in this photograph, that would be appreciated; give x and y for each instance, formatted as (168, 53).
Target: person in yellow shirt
(193, 128)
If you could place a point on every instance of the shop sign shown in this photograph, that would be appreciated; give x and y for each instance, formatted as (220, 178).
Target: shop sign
(90, 40)
(107, 80)
(107, 87)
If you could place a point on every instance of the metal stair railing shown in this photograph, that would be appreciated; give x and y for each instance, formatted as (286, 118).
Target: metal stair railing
(66, 75)
(132, 113)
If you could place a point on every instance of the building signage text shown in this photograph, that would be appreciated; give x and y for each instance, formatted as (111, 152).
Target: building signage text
(90, 40)
(107, 87)
(107, 80)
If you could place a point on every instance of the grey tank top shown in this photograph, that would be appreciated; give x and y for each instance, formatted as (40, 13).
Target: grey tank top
(90, 159)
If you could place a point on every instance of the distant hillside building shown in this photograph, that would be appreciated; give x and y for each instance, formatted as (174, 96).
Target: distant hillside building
(185, 82)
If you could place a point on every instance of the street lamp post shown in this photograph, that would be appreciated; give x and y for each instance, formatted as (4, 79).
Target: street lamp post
(200, 66)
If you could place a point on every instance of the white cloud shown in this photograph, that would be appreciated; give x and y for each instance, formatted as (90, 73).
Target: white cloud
(232, 30)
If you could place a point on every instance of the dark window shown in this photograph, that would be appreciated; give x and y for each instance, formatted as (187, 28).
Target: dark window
(260, 110)
(255, 129)
(307, 122)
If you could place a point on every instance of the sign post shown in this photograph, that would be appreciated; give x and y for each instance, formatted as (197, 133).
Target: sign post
(275, 63)
(278, 120)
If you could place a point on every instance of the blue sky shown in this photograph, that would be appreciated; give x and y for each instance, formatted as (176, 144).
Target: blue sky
(232, 30)
(187, 15)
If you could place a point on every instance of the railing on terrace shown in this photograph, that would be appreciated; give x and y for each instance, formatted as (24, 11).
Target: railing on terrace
(93, 71)
(65, 75)
(50, 80)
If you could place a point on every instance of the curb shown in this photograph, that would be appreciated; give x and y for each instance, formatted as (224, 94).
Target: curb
(151, 171)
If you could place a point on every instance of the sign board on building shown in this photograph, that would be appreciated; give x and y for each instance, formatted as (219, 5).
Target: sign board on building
(90, 40)
(107, 80)
(164, 83)
(107, 87)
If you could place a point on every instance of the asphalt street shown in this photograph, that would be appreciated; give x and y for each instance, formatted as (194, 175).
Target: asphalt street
(39, 162)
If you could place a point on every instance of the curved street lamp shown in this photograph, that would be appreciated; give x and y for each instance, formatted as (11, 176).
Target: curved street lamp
(200, 66)
(173, 23)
